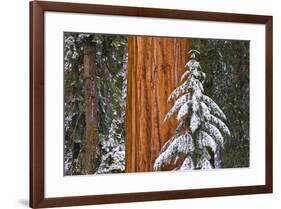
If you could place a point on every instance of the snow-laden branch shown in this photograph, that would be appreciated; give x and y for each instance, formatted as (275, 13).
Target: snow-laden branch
(178, 104)
(214, 132)
(180, 145)
(215, 109)
(221, 125)
(180, 90)
(187, 164)
(205, 140)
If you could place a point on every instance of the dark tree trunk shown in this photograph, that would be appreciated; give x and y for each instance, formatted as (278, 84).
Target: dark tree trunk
(88, 158)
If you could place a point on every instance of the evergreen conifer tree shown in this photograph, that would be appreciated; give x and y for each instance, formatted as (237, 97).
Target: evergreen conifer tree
(200, 135)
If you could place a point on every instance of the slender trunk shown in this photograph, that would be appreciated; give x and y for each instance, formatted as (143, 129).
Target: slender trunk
(217, 157)
(154, 68)
(89, 158)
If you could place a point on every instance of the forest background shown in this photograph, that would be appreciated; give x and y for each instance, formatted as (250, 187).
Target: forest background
(225, 62)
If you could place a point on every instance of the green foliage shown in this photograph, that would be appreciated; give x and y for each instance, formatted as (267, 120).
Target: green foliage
(226, 64)
(110, 50)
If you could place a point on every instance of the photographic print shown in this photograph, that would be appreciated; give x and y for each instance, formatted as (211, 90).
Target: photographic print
(131, 104)
(146, 104)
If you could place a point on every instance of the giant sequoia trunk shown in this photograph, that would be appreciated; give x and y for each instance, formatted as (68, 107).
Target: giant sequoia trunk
(88, 156)
(154, 69)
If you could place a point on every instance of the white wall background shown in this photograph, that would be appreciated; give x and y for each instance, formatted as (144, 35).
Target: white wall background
(14, 103)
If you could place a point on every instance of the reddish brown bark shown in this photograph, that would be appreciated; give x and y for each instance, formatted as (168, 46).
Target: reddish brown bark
(154, 68)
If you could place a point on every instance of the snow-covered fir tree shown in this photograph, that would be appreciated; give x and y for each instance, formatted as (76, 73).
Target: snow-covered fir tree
(200, 135)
